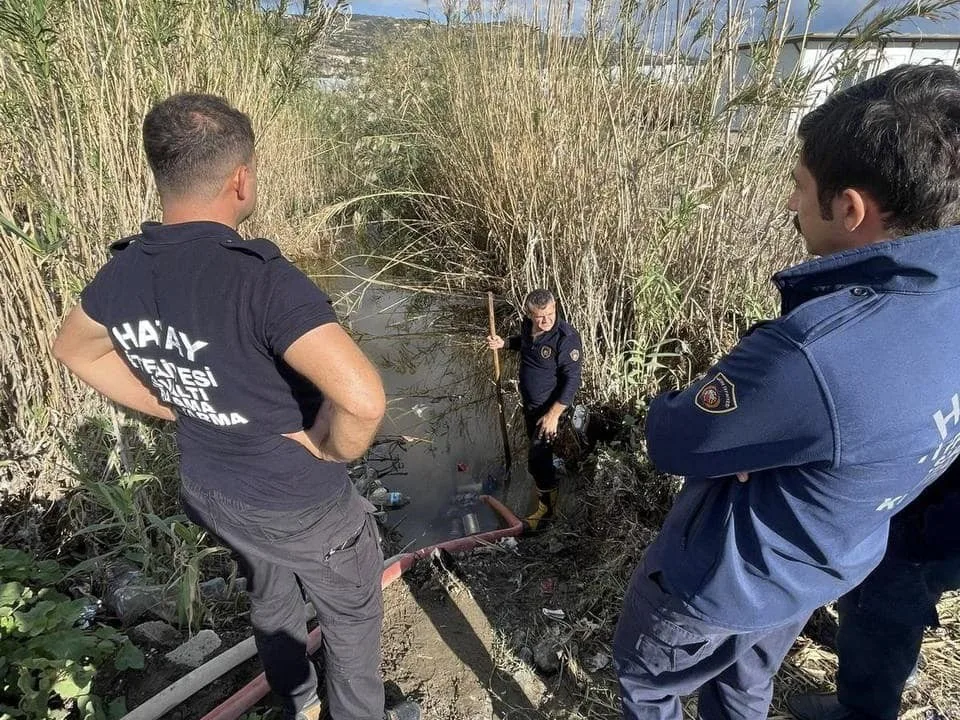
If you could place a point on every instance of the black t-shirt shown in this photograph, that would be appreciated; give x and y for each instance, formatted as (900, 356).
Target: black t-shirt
(203, 318)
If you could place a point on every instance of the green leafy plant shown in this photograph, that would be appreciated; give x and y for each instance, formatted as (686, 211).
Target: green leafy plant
(48, 657)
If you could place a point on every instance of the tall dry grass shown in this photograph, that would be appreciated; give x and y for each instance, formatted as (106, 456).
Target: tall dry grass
(76, 79)
(640, 170)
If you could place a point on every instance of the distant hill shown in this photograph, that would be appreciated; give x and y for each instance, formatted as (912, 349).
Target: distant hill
(349, 50)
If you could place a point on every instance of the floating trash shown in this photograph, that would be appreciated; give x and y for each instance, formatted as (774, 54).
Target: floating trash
(580, 419)
(385, 499)
(471, 524)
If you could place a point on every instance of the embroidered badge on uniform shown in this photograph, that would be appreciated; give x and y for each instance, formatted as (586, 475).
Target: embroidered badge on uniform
(718, 396)
(574, 354)
(546, 351)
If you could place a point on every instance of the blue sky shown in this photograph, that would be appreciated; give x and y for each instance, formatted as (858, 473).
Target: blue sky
(833, 16)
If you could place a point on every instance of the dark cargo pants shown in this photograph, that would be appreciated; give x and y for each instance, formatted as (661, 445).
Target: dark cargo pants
(540, 452)
(881, 628)
(661, 653)
(330, 553)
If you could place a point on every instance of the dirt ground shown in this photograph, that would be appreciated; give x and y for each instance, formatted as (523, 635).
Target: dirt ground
(468, 638)
(460, 639)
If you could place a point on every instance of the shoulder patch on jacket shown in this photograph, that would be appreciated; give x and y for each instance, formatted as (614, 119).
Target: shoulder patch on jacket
(261, 248)
(122, 244)
(718, 396)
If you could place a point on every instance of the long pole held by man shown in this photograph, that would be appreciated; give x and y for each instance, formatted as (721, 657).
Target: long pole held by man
(501, 409)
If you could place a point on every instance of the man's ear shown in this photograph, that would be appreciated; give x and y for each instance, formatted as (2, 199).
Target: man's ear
(852, 207)
(242, 181)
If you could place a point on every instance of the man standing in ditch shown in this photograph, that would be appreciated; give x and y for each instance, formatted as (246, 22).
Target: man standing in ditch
(801, 443)
(189, 322)
(549, 378)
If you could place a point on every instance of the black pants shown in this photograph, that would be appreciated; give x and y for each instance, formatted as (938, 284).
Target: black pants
(540, 452)
(330, 553)
(881, 628)
(661, 652)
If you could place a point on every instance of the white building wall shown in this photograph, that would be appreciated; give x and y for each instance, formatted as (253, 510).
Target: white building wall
(824, 61)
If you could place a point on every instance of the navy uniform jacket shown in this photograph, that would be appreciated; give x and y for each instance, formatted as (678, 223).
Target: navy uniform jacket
(549, 365)
(843, 410)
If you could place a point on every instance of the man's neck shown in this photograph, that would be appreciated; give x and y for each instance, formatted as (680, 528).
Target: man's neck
(175, 213)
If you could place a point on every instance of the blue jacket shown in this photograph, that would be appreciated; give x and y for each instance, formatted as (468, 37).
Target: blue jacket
(842, 410)
(550, 365)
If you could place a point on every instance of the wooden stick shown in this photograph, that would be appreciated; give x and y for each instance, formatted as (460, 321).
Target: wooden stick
(504, 433)
(493, 331)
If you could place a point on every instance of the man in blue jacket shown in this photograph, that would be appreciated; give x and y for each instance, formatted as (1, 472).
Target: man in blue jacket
(801, 443)
(549, 378)
(881, 621)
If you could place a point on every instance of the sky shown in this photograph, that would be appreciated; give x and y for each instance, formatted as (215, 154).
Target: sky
(833, 15)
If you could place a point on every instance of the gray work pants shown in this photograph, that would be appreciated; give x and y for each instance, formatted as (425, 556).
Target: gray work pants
(332, 555)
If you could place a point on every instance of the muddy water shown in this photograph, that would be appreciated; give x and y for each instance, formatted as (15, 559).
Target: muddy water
(440, 443)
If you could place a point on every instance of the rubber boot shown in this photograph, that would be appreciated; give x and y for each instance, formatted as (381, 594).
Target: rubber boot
(546, 509)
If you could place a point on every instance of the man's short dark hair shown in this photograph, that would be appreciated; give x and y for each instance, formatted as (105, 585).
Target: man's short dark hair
(193, 141)
(538, 299)
(895, 136)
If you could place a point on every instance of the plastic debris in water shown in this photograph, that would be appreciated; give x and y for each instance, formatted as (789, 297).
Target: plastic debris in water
(387, 499)
(471, 524)
(420, 409)
(580, 418)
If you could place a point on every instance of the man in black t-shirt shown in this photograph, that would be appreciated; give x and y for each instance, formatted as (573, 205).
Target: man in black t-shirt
(191, 323)
(549, 378)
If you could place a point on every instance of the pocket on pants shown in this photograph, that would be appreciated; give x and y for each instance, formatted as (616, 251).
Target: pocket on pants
(359, 557)
(662, 642)
(659, 655)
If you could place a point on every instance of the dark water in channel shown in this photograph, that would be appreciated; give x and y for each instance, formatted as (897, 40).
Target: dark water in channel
(441, 431)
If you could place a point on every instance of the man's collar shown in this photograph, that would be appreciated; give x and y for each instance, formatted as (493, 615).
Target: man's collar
(923, 263)
(158, 234)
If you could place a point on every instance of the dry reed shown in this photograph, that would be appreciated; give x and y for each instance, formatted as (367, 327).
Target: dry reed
(76, 79)
(640, 170)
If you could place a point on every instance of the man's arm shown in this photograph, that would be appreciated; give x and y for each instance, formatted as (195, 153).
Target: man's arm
(354, 400)
(495, 342)
(762, 406)
(84, 347)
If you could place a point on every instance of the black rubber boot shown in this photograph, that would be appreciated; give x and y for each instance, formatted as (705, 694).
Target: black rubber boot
(818, 706)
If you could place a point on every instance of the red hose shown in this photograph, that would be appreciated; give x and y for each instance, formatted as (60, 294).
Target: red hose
(255, 690)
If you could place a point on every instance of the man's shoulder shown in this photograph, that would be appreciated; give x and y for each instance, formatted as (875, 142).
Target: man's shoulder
(826, 315)
(566, 331)
(118, 246)
(260, 248)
